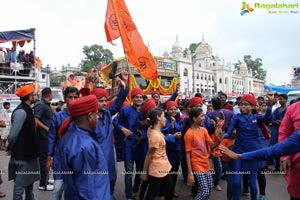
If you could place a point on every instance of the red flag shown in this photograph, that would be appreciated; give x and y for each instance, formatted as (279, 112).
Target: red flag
(119, 23)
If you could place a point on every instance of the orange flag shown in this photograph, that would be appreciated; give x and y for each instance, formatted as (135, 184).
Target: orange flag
(38, 63)
(119, 23)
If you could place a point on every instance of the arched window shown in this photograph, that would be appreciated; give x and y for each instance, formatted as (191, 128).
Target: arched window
(197, 77)
(185, 72)
(209, 77)
(205, 77)
(226, 80)
(212, 78)
(220, 80)
(201, 76)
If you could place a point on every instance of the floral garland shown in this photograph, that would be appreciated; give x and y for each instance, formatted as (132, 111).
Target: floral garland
(155, 85)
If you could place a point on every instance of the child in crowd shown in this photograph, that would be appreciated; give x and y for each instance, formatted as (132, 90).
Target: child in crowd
(227, 166)
(197, 151)
(210, 108)
(216, 157)
(143, 127)
(172, 132)
(247, 139)
(156, 161)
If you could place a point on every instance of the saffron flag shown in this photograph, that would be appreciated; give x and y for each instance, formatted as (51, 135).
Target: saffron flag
(119, 23)
(38, 63)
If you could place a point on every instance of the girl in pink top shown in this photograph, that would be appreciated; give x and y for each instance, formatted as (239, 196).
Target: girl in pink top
(156, 161)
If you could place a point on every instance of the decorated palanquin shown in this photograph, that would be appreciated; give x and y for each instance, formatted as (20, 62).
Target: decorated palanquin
(104, 75)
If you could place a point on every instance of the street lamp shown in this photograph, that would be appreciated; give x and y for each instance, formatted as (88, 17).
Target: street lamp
(193, 66)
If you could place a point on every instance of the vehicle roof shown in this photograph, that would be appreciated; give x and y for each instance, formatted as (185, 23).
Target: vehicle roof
(294, 92)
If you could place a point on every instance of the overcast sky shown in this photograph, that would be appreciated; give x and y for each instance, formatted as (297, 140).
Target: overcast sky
(63, 27)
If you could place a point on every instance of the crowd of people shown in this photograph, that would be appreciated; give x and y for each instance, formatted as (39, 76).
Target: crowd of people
(81, 144)
(11, 61)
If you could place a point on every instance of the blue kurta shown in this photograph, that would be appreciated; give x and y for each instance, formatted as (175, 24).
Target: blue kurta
(288, 147)
(56, 122)
(119, 139)
(130, 118)
(248, 138)
(81, 155)
(276, 115)
(104, 132)
(173, 145)
(248, 131)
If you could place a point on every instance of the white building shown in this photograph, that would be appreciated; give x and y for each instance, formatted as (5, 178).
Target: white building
(206, 73)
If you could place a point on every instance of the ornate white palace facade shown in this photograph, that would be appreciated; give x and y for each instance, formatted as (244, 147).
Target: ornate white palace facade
(206, 73)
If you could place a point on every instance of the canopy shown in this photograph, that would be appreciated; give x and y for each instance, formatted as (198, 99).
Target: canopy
(19, 36)
(278, 89)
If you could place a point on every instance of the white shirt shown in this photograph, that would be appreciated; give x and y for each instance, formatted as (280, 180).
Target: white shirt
(2, 57)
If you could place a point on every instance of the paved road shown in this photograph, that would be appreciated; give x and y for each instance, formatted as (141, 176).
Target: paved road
(276, 186)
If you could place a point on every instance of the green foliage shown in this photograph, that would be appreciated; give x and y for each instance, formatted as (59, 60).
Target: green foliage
(56, 80)
(254, 65)
(192, 48)
(94, 56)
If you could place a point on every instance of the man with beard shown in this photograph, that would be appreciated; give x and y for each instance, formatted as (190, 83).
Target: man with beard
(129, 123)
(104, 127)
(23, 148)
(43, 114)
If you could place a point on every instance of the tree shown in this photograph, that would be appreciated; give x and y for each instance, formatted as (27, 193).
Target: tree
(254, 65)
(94, 56)
(192, 48)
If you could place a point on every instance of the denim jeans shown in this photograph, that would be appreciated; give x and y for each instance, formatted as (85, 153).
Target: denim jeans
(217, 169)
(129, 171)
(58, 189)
(19, 190)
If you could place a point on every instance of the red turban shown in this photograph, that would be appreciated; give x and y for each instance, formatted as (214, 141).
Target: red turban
(99, 93)
(155, 92)
(148, 105)
(250, 98)
(171, 104)
(136, 91)
(125, 104)
(195, 101)
(84, 91)
(25, 90)
(79, 107)
(108, 103)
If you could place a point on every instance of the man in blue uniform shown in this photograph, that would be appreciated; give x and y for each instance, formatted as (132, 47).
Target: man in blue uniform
(70, 94)
(82, 160)
(128, 121)
(104, 127)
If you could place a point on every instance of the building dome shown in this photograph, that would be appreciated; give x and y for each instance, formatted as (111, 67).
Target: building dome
(243, 66)
(203, 49)
(176, 47)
